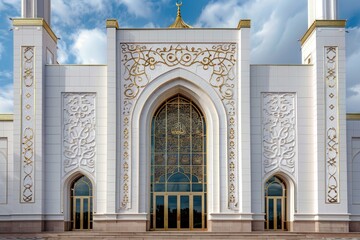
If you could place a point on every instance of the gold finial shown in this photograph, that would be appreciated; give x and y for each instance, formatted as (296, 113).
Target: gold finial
(179, 23)
(179, 4)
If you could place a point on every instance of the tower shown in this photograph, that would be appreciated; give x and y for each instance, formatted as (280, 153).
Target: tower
(322, 10)
(36, 9)
(323, 46)
(34, 47)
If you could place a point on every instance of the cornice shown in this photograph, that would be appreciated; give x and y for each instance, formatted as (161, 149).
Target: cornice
(112, 23)
(353, 116)
(244, 23)
(323, 24)
(35, 22)
(6, 117)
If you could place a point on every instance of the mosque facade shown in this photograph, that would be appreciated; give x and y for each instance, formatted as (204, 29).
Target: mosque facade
(179, 131)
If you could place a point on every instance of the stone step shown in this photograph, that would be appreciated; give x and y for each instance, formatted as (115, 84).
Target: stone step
(92, 235)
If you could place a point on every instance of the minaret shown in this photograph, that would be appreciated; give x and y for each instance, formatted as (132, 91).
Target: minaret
(36, 9)
(323, 48)
(321, 10)
(35, 45)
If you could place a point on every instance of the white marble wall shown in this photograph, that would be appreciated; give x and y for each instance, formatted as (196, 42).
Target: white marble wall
(62, 83)
(6, 166)
(353, 162)
(268, 81)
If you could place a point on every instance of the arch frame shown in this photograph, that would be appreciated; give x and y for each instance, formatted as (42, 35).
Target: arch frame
(66, 194)
(291, 187)
(180, 81)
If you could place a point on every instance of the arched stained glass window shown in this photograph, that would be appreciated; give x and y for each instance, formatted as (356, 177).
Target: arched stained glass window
(178, 151)
(178, 166)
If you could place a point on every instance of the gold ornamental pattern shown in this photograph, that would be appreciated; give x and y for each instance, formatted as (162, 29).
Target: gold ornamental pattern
(139, 61)
(332, 123)
(27, 125)
(143, 63)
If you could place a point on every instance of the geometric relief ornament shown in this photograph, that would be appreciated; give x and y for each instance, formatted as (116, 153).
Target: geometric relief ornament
(79, 134)
(27, 125)
(331, 125)
(278, 132)
(143, 63)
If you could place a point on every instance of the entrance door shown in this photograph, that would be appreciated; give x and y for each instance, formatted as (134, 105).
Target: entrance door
(178, 166)
(81, 206)
(275, 204)
(184, 211)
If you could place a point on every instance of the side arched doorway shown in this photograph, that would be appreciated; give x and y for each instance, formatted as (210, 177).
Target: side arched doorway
(178, 166)
(275, 204)
(81, 204)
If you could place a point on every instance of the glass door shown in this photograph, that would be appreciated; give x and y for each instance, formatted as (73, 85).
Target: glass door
(275, 213)
(184, 212)
(275, 204)
(81, 204)
(82, 213)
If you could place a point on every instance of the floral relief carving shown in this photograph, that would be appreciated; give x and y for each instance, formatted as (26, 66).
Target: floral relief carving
(79, 134)
(332, 131)
(143, 63)
(27, 125)
(279, 132)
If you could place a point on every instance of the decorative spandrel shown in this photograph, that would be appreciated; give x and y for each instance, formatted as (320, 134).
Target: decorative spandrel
(143, 63)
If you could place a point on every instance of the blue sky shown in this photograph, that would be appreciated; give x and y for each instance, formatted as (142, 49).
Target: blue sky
(277, 25)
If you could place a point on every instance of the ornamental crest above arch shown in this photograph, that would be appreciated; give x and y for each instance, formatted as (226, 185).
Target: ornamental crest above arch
(142, 63)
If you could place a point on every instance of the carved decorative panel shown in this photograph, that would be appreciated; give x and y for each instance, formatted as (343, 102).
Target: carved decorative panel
(79, 133)
(331, 125)
(27, 124)
(278, 132)
(143, 63)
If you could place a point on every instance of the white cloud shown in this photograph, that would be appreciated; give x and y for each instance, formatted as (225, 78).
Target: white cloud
(6, 75)
(90, 46)
(67, 12)
(6, 98)
(276, 26)
(353, 100)
(151, 25)
(139, 8)
(1, 49)
(62, 52)
(4, 4)
(353, 70)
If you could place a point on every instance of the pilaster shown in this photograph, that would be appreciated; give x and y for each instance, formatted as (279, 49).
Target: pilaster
(243, 102)
(112, 198)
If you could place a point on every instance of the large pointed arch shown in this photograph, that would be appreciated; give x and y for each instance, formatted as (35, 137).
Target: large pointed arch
(179, 81)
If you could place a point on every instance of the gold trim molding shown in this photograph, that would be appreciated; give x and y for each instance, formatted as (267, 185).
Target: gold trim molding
(244, 23)
(35, 22)
(7, 117)
(353, 116)
(112, 23)
(323, 24)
